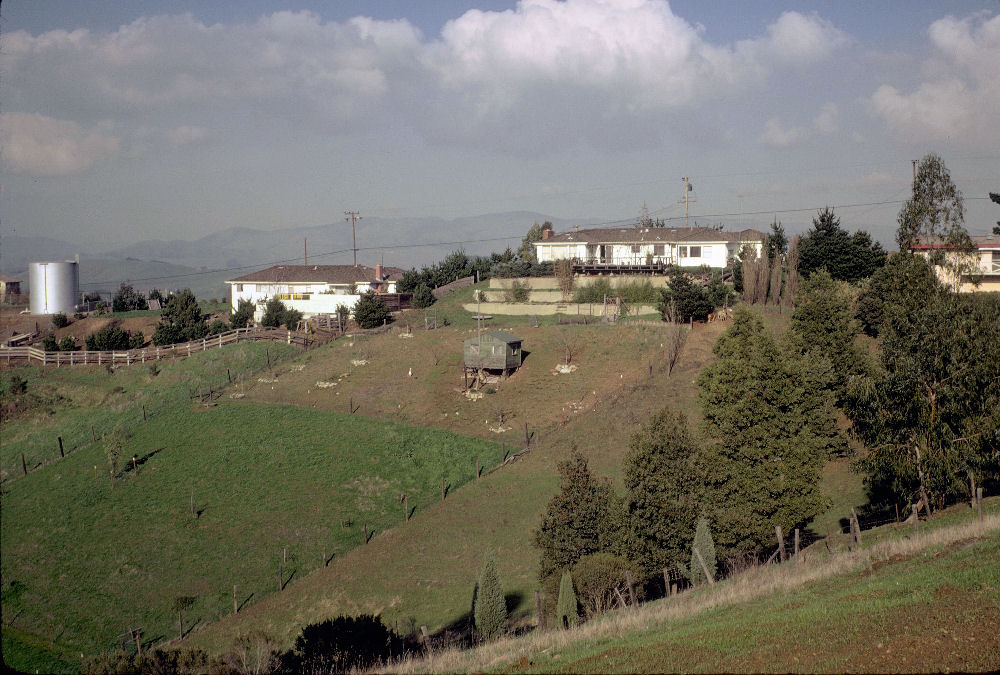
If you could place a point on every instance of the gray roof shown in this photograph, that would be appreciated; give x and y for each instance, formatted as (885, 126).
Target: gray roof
(499, 336)
(633, 235)
(318, 274)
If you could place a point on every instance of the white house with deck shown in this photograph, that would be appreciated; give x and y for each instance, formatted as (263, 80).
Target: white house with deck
(983, 263)
(312, 289)
(647, 246)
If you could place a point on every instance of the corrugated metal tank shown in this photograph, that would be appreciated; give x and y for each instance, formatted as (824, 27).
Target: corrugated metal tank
(54, 287)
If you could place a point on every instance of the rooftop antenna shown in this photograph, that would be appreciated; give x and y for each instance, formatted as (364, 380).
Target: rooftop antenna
(687, 199)
(353, 216)
(305, 251)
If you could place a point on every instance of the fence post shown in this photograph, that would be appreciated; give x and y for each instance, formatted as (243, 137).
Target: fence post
(916, 517)
(24, 465)
(857, 528)
(631, 588)
(442, 488)
(781, 543)
(236, 607)
(797, 558)
(979, 502)
(61, 453)
(708, 572)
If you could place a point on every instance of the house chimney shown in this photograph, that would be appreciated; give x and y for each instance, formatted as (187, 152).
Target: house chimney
(378, 272)
(546, 233)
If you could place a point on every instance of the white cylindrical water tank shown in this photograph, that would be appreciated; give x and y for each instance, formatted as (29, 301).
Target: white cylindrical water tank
(54, 287)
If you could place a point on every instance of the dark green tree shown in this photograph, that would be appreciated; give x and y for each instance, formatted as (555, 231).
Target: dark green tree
(906, 281)
(823, 325)
(60, 320)
(243, 315)
(217, 326)
(704, 544)
(846, 257)
(776, 242)
(422, 297)
(127, 299)
(491, 607)
(274, 313)
(567, 613)
(67, 344)
(49, 343)
(662, 479)
(929, 415)
(180, 320)
(690, 300)
(599, 579)
(576, 520)
(526, 251)
(370, 312)
(156, 294)
(774, 426)
(291, 318)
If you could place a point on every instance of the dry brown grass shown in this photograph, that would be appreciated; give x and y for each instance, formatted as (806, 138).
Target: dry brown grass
(751, 585)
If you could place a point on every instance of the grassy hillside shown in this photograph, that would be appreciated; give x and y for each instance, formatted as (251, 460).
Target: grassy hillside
(84, 560)
(930, 603)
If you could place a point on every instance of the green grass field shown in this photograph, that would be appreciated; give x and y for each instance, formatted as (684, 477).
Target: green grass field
(83, 561)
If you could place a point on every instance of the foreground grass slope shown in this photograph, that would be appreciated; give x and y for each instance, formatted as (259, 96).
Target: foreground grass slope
(904, 604)
(84, 560)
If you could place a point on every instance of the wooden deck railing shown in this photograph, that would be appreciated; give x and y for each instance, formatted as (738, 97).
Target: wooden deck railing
(132, 356)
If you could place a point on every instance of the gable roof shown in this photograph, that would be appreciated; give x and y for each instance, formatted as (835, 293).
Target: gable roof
(981, 242)
(499, 336)
(634, 235)
(318, 274)
(8, 280)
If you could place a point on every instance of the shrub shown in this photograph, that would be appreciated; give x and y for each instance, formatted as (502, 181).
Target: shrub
(422, 297)
(370, 312)
(600, 578)
(274, 313)
(243, 315)
(518, 291)
(690, 300)
(217, 326)
(113, 337)
(60, 320)
(67, 344)
(292, 318)
(181, 320)
(341, 645)
(490, 610)
(49, 343)
(567, 614)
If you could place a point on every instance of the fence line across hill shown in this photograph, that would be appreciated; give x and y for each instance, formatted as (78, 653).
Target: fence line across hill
(157, 353)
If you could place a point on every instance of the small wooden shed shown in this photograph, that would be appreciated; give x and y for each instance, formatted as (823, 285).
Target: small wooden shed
(497, 350)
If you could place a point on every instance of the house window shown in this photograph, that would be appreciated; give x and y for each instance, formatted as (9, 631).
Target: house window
(996, 262)
(239, 288)
(695, 252)
(635, 248)
(683, 251)
(658, 249)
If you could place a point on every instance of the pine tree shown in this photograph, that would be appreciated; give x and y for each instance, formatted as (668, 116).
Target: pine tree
(370, 312)
(771, 415)
(491, 608)
(566, 609)
(661, 475)
(702, 543)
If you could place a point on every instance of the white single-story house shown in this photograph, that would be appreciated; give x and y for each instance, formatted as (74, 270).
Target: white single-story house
(312, 289)
(614, 246)
(984, 263)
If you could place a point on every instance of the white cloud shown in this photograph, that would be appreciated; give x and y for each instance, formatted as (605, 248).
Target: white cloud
(184, 135)
(826, 121)
(779, 136)
(544, 73)
(42, 146)
(961, 95)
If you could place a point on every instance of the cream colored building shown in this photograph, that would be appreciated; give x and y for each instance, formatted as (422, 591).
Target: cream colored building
(983, 264)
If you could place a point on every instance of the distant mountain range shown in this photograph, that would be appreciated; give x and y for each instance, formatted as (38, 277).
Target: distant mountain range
(204, 264)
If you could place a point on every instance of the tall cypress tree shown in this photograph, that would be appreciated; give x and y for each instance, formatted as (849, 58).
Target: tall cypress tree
(771, 415)
(661, 475)
(703, 544)
(491, 608)
(566, 609)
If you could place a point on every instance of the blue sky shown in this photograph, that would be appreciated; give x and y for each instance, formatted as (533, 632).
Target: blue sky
(127, 121)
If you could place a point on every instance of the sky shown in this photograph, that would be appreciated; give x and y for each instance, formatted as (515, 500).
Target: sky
(125, 121)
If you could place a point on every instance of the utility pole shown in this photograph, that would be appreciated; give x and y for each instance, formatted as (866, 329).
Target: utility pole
(305, 250)
(353, 216)
(687, 199)
(914, 171)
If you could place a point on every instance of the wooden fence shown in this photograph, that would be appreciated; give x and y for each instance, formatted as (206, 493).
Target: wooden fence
(132, 356)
